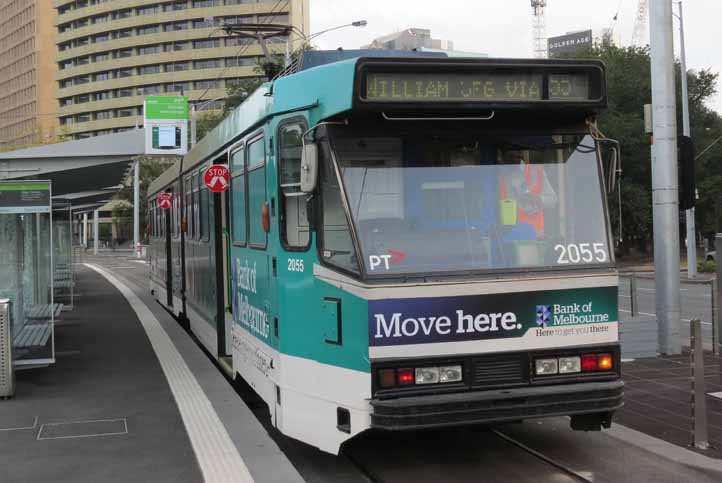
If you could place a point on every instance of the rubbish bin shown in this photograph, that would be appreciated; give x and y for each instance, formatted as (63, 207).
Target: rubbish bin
(7, 382)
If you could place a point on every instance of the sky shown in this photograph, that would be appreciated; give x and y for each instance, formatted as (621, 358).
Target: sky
(502, 28)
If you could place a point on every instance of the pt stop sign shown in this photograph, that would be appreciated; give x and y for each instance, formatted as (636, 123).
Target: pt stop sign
(217, 178)
(164, 200)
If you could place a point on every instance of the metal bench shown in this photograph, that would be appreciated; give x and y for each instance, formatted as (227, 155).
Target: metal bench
(63, 284)
(33, 335)
(44, 311)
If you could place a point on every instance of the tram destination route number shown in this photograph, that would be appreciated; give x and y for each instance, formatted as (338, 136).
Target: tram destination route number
(494, 87)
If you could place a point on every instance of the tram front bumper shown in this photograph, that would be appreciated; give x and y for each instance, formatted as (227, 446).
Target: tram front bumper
(496, 406)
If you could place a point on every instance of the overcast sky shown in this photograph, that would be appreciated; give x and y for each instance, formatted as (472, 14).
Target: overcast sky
(502, 28)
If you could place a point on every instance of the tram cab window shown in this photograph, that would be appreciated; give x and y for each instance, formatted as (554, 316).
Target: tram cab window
(294, 218)
(256, 155)
(338, 248)
(238, 199)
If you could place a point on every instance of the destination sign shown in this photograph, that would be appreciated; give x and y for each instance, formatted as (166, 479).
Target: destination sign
(486, 87)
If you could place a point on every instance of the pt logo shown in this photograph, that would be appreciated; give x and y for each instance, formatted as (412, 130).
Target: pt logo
(543, 315)
(393, 257)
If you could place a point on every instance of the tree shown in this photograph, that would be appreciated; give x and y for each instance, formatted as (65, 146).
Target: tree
(235, 95)
(150, 168)
(629, 87)
(239, 91)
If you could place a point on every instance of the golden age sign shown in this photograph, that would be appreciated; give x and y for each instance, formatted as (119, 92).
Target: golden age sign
(488, 87)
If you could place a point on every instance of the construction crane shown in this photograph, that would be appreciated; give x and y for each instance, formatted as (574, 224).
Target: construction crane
(539, 28)
(640, 24)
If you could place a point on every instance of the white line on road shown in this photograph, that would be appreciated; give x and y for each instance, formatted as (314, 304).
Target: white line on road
(655, 315)
(217, 456)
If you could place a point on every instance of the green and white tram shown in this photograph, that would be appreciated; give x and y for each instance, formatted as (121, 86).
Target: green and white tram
(406, 243)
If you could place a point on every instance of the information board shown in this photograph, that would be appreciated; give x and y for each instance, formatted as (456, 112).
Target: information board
(166, 125)
(24, 197)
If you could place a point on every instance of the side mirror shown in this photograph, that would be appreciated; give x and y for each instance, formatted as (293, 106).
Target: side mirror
(309, 167)
(611, 164)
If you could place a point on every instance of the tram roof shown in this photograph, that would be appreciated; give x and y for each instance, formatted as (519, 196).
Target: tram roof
(323, 85)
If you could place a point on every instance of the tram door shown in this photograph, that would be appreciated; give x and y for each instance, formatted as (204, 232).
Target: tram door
(223, 258)
(167, 234)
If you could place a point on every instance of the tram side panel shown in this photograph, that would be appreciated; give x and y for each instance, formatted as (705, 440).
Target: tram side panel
(253, 269)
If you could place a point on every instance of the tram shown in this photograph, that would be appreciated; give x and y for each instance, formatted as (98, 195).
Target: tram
(406, 243)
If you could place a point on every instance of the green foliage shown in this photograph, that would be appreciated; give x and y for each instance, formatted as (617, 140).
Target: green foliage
(150, 168)
(239, 91)
(706, 266)
(629, 87)
(636, 212)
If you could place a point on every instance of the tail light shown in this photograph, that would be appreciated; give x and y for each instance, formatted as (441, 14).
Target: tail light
(409, 376)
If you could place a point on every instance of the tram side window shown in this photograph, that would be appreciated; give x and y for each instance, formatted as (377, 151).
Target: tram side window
(256, 191)
(189, 208)
(294, 218)
(176, 215)
(238, 200)
(204, 210)
(151, 220)
(196, 217)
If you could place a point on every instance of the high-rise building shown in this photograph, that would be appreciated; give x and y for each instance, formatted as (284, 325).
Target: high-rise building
(28, 107)
(410, 39)
(111, 54)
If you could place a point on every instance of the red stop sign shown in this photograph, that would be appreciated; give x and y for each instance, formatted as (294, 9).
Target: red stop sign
(164, 200)
(217, 178)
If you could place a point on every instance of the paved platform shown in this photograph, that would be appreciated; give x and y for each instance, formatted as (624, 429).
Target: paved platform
(131, 398)
(657, 399)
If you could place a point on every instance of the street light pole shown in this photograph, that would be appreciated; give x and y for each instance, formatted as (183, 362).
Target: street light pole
(689, 214)
(665, 196)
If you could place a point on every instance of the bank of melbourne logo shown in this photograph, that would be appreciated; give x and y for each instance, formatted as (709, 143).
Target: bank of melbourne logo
(543, 315)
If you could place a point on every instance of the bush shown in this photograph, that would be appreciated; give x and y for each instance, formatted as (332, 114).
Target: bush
(706, 266)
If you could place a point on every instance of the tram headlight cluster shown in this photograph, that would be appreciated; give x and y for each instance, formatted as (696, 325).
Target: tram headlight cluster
(389, 378)
(573, 364)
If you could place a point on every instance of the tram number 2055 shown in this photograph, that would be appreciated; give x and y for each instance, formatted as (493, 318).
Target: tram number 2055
(295, 265)
(581, 253)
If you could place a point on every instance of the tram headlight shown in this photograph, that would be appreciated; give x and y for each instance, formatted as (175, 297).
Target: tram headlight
(546, 366)
(570, 364)
(427, 375)
(450, 373)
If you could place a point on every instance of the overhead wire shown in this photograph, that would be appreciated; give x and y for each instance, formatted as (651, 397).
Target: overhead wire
(244, 48)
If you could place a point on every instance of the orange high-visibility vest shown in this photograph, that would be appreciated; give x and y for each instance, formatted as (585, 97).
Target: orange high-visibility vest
(536, 220)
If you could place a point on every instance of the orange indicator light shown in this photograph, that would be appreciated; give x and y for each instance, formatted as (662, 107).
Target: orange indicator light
(605, 362)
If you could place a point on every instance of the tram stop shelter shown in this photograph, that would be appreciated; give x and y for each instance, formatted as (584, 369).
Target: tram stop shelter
(43, 193)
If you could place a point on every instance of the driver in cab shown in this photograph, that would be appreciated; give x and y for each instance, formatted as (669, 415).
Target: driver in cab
(524, 194)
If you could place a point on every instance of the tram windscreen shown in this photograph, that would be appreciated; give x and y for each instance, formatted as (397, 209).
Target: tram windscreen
(426, 203)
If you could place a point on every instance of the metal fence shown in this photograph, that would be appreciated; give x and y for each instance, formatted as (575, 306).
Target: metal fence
(702, 305)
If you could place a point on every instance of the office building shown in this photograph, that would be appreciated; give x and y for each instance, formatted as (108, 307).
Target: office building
(27, 69)
(111, 54)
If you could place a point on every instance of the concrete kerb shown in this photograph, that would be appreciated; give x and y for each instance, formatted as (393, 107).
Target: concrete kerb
(664, 449)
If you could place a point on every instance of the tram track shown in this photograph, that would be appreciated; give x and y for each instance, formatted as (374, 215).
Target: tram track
(367, 456)
(415, 461)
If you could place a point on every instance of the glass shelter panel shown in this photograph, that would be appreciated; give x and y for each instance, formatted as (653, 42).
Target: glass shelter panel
(26, 263)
